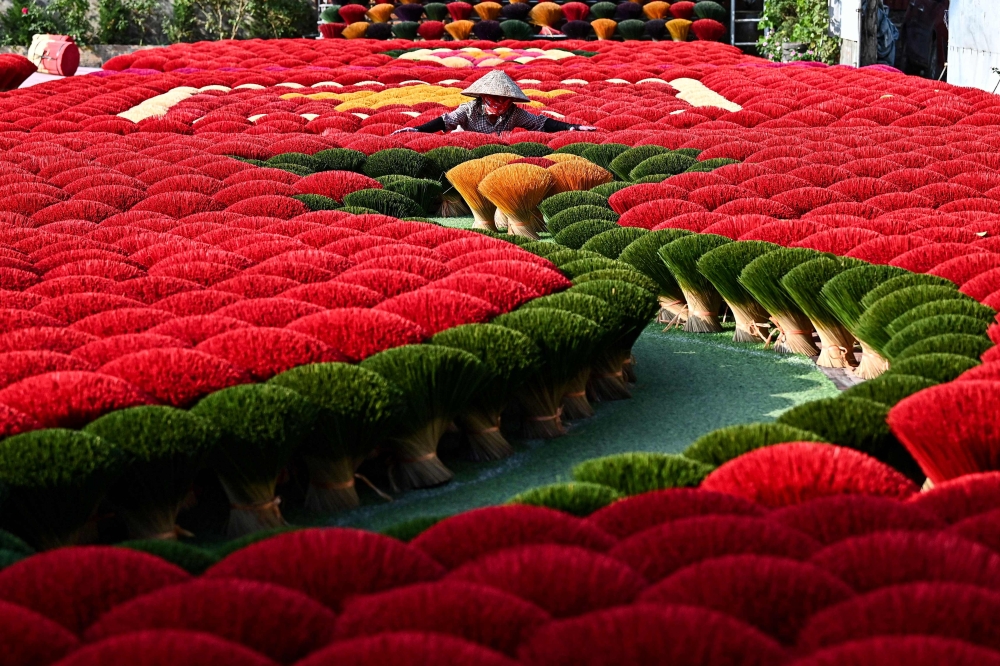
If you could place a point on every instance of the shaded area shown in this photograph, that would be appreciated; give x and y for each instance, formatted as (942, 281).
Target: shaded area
(688, 385)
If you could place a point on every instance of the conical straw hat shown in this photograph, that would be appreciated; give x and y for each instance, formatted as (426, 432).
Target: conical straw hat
(497, 84)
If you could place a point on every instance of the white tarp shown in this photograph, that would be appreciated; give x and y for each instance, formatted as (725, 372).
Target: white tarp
(850, 24)
(974, 43)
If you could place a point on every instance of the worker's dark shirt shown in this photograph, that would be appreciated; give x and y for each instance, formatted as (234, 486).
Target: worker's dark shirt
(472, 117)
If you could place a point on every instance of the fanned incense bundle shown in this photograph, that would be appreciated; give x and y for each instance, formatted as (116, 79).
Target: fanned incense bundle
(355, 30)
(488, 11)
(804, 283)
(604, 28)
(516, 190)
(466, 178)
(762, 278)
(578, 174)
(678, 29)
(703, 301)
(381, 13)
(459, 30)
(722, 266)
(546, 15)
(656, 9)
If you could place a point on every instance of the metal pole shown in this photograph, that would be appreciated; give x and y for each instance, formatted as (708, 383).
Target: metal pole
(861, 38)
(732, 22)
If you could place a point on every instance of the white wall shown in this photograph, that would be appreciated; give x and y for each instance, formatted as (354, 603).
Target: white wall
(974, 43)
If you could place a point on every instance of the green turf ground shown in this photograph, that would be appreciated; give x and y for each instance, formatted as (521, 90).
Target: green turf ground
(687, 385)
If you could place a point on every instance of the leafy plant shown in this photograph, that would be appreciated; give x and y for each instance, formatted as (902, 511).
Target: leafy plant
(275, 19)
(804, 21)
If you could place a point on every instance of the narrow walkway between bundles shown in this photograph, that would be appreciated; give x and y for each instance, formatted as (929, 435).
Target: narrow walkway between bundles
(688, 385)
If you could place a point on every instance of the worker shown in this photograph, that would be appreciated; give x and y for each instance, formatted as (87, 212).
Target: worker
(494, 111)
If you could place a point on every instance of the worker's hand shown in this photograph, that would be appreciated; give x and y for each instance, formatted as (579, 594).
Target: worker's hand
(585, 128)
(404, 130)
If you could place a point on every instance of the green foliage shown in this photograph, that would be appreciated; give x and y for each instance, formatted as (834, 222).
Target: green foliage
(260, 427)
(557, 203)
(578, 499)
(443, 159)
(888, 389)
(961, 344)
(529, 149)
(281, 19)
(611, 243)
(357, 405)
(644, 255)
(567, 341)
(627, 275)
(425, 192)
(724, 444)
(411, 529)
(437, 382)
(682, 255)
(669, 163)
(340, 159)
(603, 154)
(576, 235)
(871, 327)
(964, 307)
(192, 559)
(574, 214)
(18, 27)
(855, 423)
(182, 24)
(511, 357)
(762, 278)
(904, 282)
(517, 30)
(607, 189)
(385, 202)
(710, 165)
(723, 265)
(317, 201)
(804, 21)
(931, 326)
(401, 161)
(843, 293)
(623, 165)
(53, 480)
(940, 368)
(640, 472)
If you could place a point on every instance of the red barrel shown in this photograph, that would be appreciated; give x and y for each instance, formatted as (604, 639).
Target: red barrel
(55, 54)
(61, 58)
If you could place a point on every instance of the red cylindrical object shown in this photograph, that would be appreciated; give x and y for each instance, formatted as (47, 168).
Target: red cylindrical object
(60, 57)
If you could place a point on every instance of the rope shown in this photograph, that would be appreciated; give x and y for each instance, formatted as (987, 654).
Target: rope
(260, 507)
